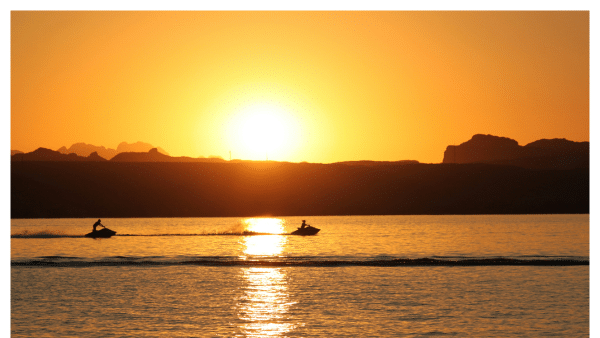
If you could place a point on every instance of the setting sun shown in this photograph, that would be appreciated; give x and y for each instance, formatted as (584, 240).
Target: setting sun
(262, 131)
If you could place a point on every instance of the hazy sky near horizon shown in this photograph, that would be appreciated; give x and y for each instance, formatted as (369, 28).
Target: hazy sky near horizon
(298, 86)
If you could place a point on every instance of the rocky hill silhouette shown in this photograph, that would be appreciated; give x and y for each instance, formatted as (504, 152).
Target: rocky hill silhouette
(153, 155)
(485, 175)
(12, 152)
(84, 149)
(44, 154)
(138, 147)
(541, 154)
(95, 157)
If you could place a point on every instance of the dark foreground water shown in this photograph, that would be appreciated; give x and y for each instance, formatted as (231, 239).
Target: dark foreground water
(377, 276)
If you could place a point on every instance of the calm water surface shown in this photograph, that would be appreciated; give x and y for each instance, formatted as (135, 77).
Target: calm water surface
(212, 281)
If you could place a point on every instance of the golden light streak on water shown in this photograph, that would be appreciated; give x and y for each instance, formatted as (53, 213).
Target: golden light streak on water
(265, 304)
(264, 225)
(266, 245)
(264, 307)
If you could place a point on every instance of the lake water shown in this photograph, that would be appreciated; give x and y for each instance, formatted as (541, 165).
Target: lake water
(367, 276)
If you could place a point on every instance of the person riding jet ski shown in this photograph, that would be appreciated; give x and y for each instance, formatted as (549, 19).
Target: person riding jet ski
(305, 230)
(97, 224)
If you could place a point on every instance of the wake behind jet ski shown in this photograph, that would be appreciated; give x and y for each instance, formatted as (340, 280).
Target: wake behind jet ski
(103, 233)
(305, 230)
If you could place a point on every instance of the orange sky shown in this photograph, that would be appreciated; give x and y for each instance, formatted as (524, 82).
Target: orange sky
(298, 86)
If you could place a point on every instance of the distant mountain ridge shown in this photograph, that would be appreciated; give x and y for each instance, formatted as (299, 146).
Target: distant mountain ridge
(541, 154)
(508, 179)
(44, 154)
(125, 147)
(153, 155)
(84, 149)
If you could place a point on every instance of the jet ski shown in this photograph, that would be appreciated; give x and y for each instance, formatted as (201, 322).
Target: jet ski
(309, 230)
(103, 233)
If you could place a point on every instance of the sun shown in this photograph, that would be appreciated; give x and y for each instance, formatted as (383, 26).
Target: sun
(263, 131)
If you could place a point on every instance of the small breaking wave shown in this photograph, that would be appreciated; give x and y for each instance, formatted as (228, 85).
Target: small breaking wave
(59, 261)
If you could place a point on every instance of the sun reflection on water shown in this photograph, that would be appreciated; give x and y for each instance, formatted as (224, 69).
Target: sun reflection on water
(264, 225)
(265, 304)
(267, 245)
(264, 245)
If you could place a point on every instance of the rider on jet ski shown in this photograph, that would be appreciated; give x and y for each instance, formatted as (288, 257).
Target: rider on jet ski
(97, 224)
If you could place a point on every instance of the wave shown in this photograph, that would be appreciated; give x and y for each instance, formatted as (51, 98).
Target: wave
(62, 261)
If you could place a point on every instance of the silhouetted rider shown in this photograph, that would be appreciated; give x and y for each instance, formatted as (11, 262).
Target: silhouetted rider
(98, 224)
(304, 225)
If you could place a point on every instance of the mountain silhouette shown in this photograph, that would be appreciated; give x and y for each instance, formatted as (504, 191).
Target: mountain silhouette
(95, 157)
(84, 149)
(12, 152)
(154, 155)
(541, 154)
(138, 147)
(44, 154)
(507, 179)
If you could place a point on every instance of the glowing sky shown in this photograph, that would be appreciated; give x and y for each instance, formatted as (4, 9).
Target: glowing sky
(298, 86)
